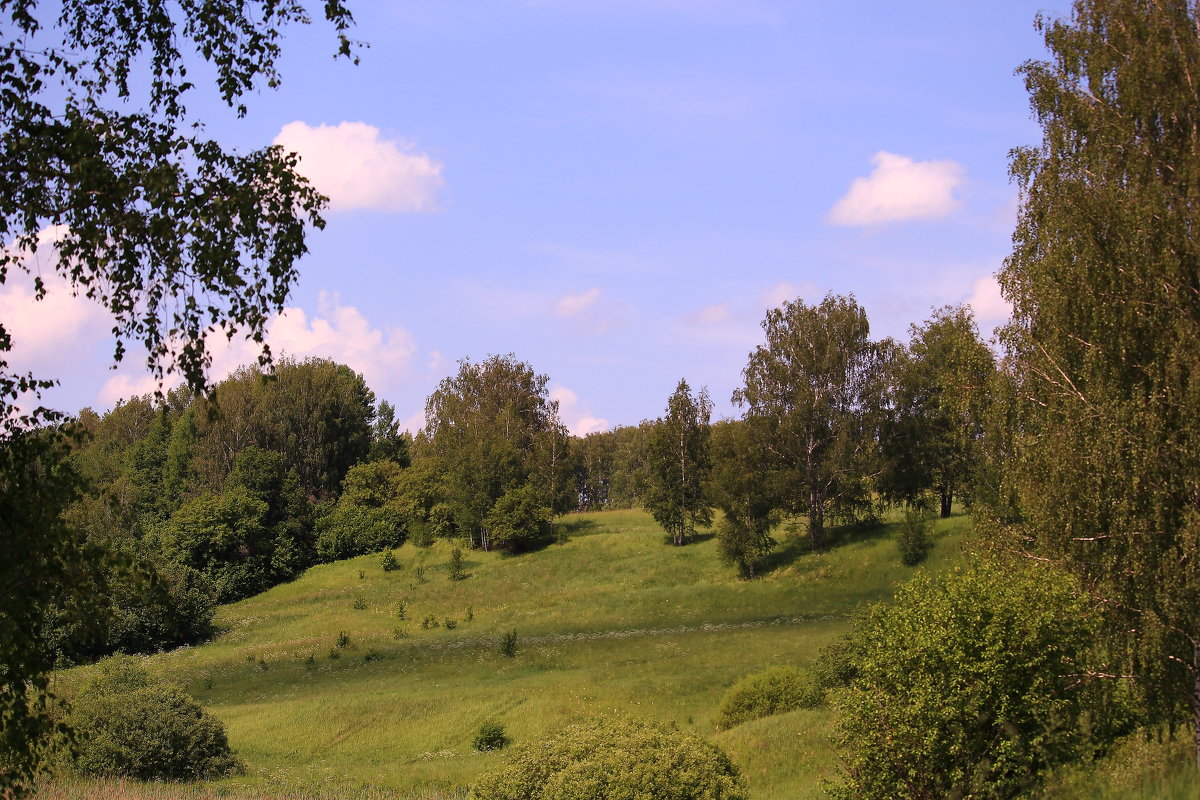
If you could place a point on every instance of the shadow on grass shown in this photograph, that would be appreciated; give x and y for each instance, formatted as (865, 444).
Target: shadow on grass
(796, 543)
(576, 527)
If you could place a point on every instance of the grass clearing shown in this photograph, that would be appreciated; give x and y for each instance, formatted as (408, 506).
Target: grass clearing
(612, 621)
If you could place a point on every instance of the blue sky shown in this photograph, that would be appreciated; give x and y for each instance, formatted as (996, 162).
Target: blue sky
(616, 190)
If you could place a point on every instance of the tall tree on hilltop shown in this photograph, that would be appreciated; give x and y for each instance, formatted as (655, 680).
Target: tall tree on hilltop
(678, 462)
(493, 428)
(1104, 279)
(813, 395)
(932, 430)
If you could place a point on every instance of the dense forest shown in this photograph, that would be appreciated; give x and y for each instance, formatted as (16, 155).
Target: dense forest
(1071, 439)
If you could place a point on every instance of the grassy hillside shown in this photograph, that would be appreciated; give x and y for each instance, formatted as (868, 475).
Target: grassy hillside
(612, 621)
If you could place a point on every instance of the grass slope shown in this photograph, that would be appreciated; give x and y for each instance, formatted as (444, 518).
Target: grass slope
(612, 621)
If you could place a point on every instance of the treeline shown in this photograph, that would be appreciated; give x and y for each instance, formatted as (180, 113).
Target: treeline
(195, 501)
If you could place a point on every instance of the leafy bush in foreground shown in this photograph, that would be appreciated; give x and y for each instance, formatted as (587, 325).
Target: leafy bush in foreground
(972, 684)
(772, 691)
(615, 760)
(491, 736)
(127, 726)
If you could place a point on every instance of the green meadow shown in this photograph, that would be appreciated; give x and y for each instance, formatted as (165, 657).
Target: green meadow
(612, 621)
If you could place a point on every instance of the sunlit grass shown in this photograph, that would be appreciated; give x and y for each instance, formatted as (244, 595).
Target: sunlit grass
(612, 621)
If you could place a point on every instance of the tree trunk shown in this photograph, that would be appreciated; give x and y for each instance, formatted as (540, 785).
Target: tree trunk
(947, 501)
(816, 518)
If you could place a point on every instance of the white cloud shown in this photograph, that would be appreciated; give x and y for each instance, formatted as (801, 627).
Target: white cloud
(576, 417)
(571, 305)
(785, 291)
(988, 303)
(336, 331)
(357, 168)
(899, 189)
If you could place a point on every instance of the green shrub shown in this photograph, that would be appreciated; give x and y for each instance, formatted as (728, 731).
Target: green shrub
(342, 639)
(491, 736)
(972, 684)
(772, 691)
(519, 520)
(915, 536)
(613, 760)
(127, 726)
(456, 568)
(508, 643)
(837, 663)
(389, 562)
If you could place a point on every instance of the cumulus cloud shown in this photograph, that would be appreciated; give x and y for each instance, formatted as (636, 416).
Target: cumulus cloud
(900, 188)
(987, 302)
(571, 305)
(336, 331)
(52, 335)
(574, 415)
(357, 168)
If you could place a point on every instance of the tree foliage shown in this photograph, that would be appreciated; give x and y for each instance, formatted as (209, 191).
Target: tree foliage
(813, 394)
(615, 760)
(935, 418)
(971, 684)
(176, 237)
(742, 486)
(493, 428)
(1102, 348)
(678, 464)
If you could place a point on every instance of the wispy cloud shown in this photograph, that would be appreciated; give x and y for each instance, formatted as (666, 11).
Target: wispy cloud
(988, 303)
(900, 188)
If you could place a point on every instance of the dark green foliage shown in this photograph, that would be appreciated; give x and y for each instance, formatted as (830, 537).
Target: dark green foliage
(360, 604)
(450, 623)
(678, 463)
(915, 537)
(342, 639)
(814, 391)
(931, 433)
(388, 442)
(776, 690)
(1106, 330)
(610, 468)
(389, 563)
(370, 515)
(972, 684)
(455, 569)
(401, 609)
(490, 736)
(44, 563)
(837, 663)
(508, 644)
(742, 486)
(97, 141)
(491, 430)
(127, 726)
(518, 521)
(610, 759)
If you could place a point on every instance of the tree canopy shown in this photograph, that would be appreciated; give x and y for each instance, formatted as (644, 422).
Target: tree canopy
(1103, 280)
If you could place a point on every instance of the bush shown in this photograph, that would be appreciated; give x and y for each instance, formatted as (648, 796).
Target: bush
(518, 521)
(508, 644)
(610, 759)
(491, 736)
(127, 726)
(837, 663)
(772, 691)
(972, 684)
(456, 567)
(915, 536)
(389, 562)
